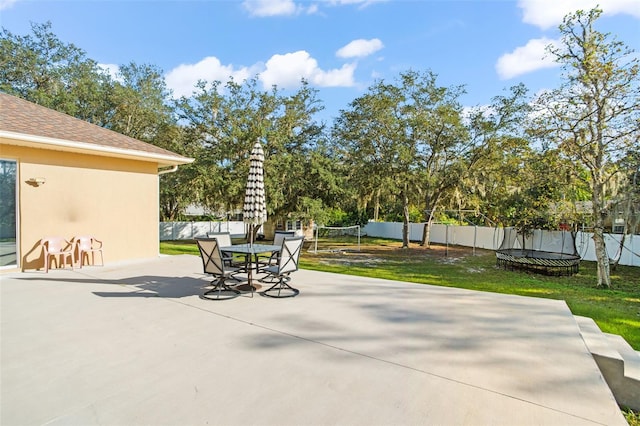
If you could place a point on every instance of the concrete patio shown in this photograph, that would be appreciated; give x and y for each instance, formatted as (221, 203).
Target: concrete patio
(134, 344)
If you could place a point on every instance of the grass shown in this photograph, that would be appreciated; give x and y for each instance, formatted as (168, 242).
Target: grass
(632, 417)
(615, 310)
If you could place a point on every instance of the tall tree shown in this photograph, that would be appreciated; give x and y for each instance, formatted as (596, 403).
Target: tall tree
(298, 176)
(398, 139)
(445, 148)
(372, 135)
(228, 120)
(142, 102)
(594, 116)
(42, 69)
(185, 186)
(499, 150)
(513, 182)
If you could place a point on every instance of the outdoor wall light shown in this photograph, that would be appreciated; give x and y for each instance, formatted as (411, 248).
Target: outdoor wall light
(36, 181)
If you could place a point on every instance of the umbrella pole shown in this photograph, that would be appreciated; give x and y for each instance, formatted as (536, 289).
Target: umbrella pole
(250, 257)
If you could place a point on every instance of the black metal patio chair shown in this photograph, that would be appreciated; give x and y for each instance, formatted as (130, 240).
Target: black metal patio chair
(215, 264)
(280, 273)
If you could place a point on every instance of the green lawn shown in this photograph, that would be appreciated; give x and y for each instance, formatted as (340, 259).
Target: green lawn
(615, 311)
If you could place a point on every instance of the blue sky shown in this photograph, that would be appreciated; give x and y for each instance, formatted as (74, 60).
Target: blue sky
(340, 46)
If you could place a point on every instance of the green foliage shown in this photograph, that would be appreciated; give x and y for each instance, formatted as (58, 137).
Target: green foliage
(44, 70)
(335, 217)
(415, 214)
(299, 176)
(403, 149)
(339, 217)
(536, 201)
(501, 175)
(401, 142)
(393, 212)
(140, 97)
(592, 118)
(446, 219)
(632, 417)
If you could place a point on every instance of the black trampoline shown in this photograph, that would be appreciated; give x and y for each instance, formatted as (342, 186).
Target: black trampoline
(549, 252)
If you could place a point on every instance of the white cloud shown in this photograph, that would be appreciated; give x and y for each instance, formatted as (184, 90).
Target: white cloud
(549, 13)
(182, 79)
(287, 70)
(6, 4)
(362, 3)
(263, 8)
(339, 77)
(525, 59)
(360, 48)
(266, 8)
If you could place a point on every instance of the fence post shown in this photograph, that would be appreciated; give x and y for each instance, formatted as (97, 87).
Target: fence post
(446, 239)
(475, 236)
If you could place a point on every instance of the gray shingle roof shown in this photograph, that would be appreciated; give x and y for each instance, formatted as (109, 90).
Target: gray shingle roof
(24, 117)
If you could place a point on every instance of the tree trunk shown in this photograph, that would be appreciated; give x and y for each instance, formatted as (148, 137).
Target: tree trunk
(425, 235)
(602, 257)
(426, 231)
(431, 201)
(169, 212)
(376, 206)
(405, 220)
(604, 279)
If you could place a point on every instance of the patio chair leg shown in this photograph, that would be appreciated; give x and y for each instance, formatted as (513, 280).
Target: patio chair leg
(220, 291)
(277, 289)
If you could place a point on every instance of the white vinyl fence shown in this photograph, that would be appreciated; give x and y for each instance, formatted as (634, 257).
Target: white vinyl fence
(481, 237)
(490, 238)
(191, 230)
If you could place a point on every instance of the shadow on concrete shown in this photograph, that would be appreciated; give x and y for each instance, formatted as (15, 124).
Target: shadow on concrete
(139, 286)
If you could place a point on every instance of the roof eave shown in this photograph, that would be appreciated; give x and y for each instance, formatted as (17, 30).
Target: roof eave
(43, 142)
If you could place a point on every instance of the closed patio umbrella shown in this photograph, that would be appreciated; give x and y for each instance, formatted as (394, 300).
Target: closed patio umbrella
(254, 212)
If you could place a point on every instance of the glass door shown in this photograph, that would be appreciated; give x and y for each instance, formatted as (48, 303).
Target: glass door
(8, 247)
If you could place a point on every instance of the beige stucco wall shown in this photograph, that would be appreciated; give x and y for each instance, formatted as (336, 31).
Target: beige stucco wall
(115, 200)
